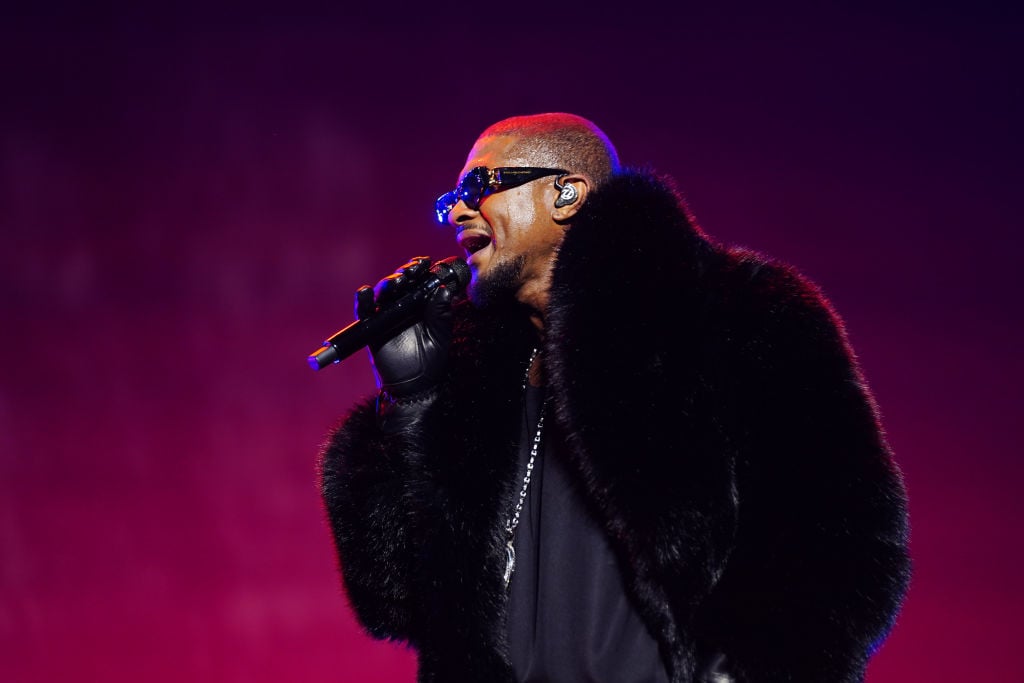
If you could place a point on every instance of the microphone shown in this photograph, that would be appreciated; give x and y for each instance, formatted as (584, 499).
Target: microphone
(452, 272)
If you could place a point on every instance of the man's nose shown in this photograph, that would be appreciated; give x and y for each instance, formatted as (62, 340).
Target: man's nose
(461, 213)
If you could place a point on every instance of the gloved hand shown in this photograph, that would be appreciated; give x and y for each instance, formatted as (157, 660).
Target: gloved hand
(409, 366)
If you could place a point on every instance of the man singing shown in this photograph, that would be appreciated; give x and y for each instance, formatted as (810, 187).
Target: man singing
(626, 454)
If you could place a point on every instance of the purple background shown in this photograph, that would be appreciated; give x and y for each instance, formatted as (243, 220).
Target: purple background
(189, 199)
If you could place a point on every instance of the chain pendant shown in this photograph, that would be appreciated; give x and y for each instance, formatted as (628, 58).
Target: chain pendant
(513, 522)
(510, 562)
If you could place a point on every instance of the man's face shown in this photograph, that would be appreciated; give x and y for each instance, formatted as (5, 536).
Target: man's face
(510, 242)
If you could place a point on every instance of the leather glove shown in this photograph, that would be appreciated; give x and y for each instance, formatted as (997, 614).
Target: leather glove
(409, 366)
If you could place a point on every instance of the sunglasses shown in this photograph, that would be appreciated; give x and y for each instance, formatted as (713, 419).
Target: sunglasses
(481, 181)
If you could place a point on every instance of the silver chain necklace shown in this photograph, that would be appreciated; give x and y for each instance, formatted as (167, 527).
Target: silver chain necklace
(513, 521)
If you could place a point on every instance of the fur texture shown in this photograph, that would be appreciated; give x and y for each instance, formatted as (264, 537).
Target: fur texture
(719, 423)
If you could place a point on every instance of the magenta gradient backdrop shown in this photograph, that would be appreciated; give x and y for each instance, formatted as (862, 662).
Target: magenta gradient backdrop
(188, 201)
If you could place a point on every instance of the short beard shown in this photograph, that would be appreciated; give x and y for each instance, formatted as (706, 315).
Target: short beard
(500, 286)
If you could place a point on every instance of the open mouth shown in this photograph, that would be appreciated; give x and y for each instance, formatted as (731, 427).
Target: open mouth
(473, 243)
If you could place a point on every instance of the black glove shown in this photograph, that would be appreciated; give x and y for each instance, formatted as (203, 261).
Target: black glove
(409, 366)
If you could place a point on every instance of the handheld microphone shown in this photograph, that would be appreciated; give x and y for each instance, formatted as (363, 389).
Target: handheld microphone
(452, 272)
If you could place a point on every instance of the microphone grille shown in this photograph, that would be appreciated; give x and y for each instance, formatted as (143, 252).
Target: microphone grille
(454, 272)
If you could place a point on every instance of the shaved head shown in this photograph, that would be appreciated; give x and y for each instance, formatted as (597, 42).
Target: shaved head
(559, 140)
(511, 234)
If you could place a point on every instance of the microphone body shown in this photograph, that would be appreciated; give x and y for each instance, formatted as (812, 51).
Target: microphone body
(452, 272)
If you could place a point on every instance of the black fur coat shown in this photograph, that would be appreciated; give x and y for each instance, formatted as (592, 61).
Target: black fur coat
(717, 420)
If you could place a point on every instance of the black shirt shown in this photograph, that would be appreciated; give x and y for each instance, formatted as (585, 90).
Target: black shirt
(569, 619)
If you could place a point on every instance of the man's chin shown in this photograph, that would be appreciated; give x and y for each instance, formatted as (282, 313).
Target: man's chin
(498, 286)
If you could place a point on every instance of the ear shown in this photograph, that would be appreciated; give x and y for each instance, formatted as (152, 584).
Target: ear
(571, 192)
